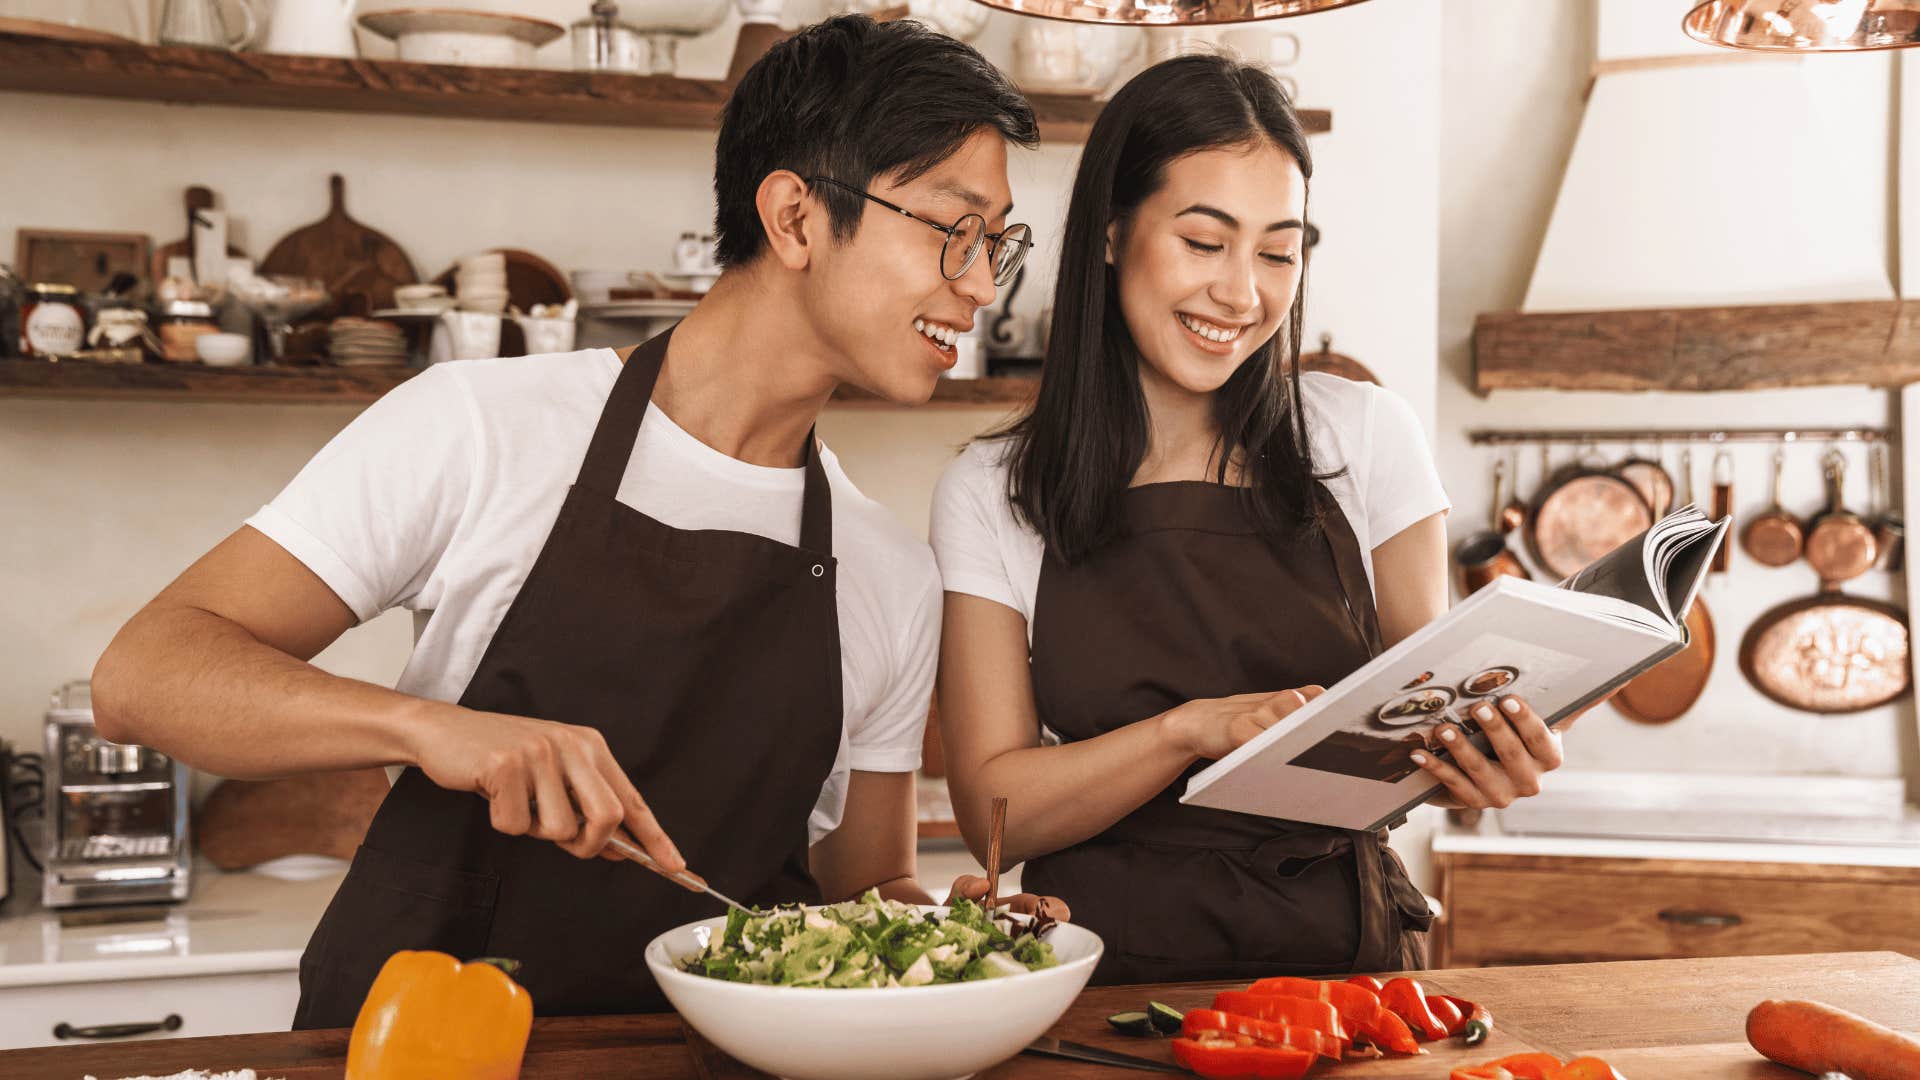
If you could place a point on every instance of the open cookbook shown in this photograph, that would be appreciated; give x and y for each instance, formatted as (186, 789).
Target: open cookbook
(1344, 759)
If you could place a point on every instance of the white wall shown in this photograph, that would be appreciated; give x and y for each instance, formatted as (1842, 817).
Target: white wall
(1510, 121)
(101, 503)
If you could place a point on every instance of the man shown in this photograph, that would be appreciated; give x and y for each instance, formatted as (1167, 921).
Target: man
(711, 641)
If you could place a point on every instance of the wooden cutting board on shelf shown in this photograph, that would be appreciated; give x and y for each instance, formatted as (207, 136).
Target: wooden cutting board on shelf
(244, 823)
(198, 198)
(360, 266)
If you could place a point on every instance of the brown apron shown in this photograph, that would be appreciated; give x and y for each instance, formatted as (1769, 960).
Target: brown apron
(1189, 603)
(710, 660)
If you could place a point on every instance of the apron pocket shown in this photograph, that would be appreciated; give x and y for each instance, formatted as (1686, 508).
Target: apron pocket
(1209, 912)
(387, 903)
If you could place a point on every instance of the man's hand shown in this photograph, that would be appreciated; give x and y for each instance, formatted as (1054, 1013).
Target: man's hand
(551, 781)
(974, 887)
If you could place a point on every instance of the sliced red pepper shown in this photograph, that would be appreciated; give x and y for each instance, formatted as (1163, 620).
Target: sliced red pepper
(1300, 1012)
(1201, 1023)
(1479, 1023)
(1367, 981)
(1515, 1067)
(1445, 1011)
(1224, 1059)
(1588, 1068)
(1389, 1032)
(1356, 1004)
(1409, 1002)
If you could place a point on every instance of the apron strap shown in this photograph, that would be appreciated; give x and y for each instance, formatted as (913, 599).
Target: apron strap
(619, 426)
(1345, 548)
(1379, 922)
(613, 438)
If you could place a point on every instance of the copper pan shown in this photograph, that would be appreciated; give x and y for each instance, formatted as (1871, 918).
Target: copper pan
(1666, 691)
(1582, 512)
(1840, 545)
(1484, 556)
(1775, 537)
(1889, 527)
(1514, 513)
(1651, 480)
(1829, 653)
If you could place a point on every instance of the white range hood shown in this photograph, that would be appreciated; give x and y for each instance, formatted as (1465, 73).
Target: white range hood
(1704, 178)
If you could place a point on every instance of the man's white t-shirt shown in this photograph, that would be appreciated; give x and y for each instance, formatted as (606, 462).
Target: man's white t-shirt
(438, 498)
(1390, 482)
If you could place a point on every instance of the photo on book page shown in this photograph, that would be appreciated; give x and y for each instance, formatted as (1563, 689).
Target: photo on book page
(1375, 740)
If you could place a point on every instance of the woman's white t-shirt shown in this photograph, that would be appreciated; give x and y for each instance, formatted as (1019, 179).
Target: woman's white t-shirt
(438, 498)
(1390, 482)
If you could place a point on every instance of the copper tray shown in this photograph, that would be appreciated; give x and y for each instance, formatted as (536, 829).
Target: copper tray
(1581, 515)
(1829, 653)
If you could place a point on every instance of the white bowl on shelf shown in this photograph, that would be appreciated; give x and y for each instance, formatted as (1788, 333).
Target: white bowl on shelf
(224, 350)
(904, 1033)
(479, 38)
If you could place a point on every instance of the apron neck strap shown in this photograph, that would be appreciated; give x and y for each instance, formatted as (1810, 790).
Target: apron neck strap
(1353, 572)
(613, 438)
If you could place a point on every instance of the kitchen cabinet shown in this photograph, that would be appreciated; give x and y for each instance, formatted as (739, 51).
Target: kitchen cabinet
(203, 1005)
(1531, 909)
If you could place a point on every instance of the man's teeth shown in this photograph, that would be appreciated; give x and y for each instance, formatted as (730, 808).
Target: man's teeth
(1208, 330)
(940, 335)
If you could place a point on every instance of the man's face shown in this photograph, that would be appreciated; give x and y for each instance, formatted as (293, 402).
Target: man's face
(879, 300)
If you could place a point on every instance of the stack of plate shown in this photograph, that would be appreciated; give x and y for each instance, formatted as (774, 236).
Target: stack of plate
(355, 342)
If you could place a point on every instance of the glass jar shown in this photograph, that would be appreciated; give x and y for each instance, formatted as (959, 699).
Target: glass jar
(182, 323)
(51, 322)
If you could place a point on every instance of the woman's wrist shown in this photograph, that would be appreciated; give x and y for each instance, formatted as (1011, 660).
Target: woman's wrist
(1173, 731)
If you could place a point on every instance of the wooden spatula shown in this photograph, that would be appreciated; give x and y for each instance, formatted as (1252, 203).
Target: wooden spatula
(995, 832)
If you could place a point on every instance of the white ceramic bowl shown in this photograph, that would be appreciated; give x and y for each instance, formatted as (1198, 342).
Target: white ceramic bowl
(415, 295)
(224, 350)
(909, 1033)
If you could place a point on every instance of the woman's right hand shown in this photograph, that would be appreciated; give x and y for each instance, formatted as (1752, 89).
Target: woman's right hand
(1212, 728)
(551, 781)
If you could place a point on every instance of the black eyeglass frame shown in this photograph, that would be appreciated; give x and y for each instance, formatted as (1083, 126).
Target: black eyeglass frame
(1000, 278)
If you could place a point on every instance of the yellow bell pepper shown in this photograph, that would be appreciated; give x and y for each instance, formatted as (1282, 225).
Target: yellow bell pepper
(428, 1015)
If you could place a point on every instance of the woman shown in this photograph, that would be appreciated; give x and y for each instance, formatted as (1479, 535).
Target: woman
(1183, 541)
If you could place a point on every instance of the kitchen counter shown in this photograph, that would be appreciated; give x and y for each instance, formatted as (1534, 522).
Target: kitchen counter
(232, 923)
(1652, 1020)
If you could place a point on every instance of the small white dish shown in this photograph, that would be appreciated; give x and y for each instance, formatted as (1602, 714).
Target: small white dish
(480, 38)
(224, 350)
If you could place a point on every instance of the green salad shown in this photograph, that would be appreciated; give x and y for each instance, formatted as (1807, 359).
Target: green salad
(869, 942)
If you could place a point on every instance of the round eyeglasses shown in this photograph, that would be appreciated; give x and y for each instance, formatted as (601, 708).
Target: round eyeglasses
(965, 239)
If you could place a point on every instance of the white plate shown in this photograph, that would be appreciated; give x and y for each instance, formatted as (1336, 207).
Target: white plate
(443, 36)
(908, 1033)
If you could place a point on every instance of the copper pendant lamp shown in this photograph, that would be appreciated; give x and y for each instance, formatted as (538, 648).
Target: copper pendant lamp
(1167, 12)
(1806, 25)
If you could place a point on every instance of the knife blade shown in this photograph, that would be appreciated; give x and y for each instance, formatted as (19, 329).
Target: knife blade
(1048, 1046)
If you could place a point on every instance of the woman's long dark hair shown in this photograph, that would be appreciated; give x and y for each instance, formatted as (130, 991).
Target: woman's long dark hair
(1075, 452)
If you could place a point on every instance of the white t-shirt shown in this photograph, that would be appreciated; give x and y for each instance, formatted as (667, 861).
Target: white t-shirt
(439, 496)
(985, 550)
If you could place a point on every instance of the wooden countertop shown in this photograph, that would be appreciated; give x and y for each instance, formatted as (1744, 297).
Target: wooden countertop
(1652, 1020)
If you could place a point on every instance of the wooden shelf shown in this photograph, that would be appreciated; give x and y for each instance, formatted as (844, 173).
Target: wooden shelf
(272, 81)
(1868, 342)
(346, 386)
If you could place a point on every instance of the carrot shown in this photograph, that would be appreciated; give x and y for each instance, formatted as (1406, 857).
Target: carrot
(1816, 1038)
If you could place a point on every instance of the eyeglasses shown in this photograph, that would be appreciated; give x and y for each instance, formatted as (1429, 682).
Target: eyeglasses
(965, 238)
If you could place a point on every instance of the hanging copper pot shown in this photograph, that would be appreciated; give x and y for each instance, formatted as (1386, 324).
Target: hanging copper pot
(1514, 513)
(1775, 537)
(1484, 556)
(1651, 480)
(1889, 526)
(1840, 544)
(1829, 653)
(1666, 691)
(1584, 511)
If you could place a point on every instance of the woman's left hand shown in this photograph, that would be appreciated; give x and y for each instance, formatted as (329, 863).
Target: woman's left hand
(1525, 749)
(974, 887)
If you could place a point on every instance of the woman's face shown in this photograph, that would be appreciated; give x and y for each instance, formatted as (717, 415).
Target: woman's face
(1209, 264)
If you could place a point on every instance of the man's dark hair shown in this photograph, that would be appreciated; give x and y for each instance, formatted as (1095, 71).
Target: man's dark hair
(853, 99)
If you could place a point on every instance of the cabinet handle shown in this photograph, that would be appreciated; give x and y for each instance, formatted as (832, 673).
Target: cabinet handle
(1699, 918)
(117, 1031)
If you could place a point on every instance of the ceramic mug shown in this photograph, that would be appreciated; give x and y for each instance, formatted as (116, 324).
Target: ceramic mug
(465, 335)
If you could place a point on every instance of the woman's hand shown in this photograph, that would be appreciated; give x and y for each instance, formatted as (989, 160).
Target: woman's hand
(1525, 749)
(974, 887)
(1212, 728)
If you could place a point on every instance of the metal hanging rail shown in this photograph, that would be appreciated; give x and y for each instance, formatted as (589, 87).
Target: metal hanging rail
(1681, 435)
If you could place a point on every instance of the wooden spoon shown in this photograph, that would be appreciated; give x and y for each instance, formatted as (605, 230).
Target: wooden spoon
(995, 832)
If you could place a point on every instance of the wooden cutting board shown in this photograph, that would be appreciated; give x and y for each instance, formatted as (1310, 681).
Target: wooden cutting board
(244, 823)
(360, 266)
(198, 198)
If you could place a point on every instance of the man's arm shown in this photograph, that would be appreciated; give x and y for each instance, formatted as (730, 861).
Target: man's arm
(214, 671)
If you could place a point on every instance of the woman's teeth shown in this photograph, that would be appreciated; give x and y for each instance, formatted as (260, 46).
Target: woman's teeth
(1208, 330)
(943, 336)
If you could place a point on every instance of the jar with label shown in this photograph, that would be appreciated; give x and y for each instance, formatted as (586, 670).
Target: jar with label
(51, 323)
(182, 323)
